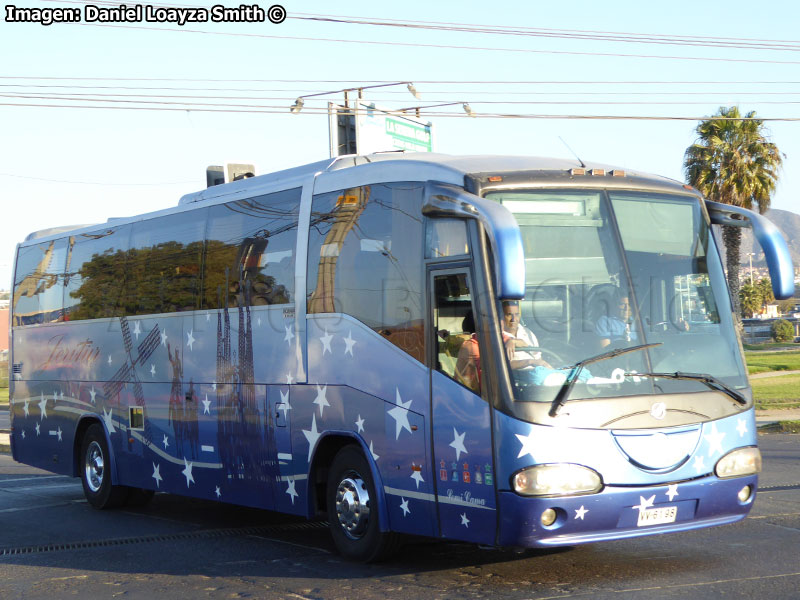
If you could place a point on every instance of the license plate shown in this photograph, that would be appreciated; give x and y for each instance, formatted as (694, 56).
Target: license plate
(657, 516)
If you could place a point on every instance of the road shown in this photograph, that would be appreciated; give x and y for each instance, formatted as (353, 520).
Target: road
(53, 545)
(5, 423)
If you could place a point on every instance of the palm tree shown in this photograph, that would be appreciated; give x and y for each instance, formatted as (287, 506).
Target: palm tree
(733, 162)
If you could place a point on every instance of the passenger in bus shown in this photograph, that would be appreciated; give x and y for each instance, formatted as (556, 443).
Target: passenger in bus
(516, 336)
(468, 364)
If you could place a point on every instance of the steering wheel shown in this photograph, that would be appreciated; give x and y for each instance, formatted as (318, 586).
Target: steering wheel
(558, 360)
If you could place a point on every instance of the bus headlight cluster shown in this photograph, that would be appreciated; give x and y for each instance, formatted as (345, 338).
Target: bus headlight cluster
(556, 480)
(738, 463)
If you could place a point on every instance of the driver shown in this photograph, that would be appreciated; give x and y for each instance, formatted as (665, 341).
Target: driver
(516, 335)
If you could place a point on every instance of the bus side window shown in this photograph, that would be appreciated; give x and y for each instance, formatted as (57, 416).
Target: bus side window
(39, 281)
(457, 354)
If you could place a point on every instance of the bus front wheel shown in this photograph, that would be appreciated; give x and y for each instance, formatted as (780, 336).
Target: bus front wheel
(353, 511)
(96, 471)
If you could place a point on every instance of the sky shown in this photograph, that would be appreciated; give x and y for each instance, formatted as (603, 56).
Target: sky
(85, 134)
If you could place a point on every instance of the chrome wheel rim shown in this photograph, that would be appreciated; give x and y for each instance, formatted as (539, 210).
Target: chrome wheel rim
(352, 506)
(94, 466)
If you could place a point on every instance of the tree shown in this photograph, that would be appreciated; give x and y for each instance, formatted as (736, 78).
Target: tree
(782, 331)
(750, 299)
(764, 286)
(733, 162)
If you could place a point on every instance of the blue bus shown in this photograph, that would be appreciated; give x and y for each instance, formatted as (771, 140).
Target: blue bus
(510, 351)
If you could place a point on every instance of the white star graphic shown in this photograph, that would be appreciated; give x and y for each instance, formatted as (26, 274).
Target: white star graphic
(289, 379)
(741, 427)
(404, 506)
(371, 451)
(152, 370)
(208, 316)
(214, 386)
(458, 443)
(23, 434)
(38, 431)
(644, 504)
(109, 359)
(581, 512)
(321, 400)
(416, 474)
(258, 321)
(136, 330)
(164, 338)
(400, 415)
(157, 474)
(165, 442)
(359, 425)
(285, 406)
(289, 334)
(206, 406)
(25, 408)
(187, 472)
(43, 408)
(190, 339)
(714, 440)
(217, 492)
(465, 520)
(291, 491)
(527, 444)
(58, 433)
(698, 463)
(109, 423)
(312, 435)
(326, 342)
(55, 397)
(92, 394)
(349, 343)
(672, 491)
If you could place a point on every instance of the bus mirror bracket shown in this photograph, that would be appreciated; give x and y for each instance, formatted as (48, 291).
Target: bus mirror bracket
(776, 252)
(443, 200)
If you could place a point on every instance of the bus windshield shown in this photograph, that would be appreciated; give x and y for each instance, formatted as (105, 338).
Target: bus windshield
(608, 270)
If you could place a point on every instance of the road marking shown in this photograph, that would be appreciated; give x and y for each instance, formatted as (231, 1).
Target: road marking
(35, 478)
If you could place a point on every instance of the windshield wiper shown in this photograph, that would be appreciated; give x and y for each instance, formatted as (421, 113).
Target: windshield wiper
(563, 393)
(709, 380)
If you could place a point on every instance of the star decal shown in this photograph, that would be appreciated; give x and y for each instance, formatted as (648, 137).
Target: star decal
(289, 334)
(527, 444)
(187, 472)
(458, 443)
(208, 316)
(92, 394)
(55, 397)
(465, 520)
(136, 330)
(38, 430)
(109, 423)
(312, 435)
(581, 512)
(285, 406)
(23, 434)
(109, 359)
(25, 407)
(164, 338)
(672, 491)
(217, 492)
(43, 408)
(291, 491)
(321, 400)
(214, 386)
(152, 370)
(157, 475)
(165, 442)
(206, 406)
(416, 474)
(349, 342)
(741, 427)
(400, 415)
(190, 339)
(404, 506)
(644, 504)
(698, 463)
(371, 451)
(359, 425)
(714, 440)
(326, 342)
(59, 432)
(289, 379)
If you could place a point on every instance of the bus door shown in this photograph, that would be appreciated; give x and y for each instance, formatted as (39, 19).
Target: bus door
(461, 419)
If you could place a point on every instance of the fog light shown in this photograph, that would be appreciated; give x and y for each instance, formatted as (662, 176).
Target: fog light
(744, 494)
(549, 516)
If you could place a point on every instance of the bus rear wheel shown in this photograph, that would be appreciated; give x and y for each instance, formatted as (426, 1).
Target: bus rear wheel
(353, 511)
(96, 471)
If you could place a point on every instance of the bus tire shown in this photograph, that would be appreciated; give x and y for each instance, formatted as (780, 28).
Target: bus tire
(95, 469)
(353, 511)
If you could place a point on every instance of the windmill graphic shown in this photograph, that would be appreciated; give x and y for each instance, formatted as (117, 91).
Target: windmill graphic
(127, 372)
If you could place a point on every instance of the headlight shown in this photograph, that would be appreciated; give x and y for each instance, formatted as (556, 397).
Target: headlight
(556, 480)
(738, 463)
